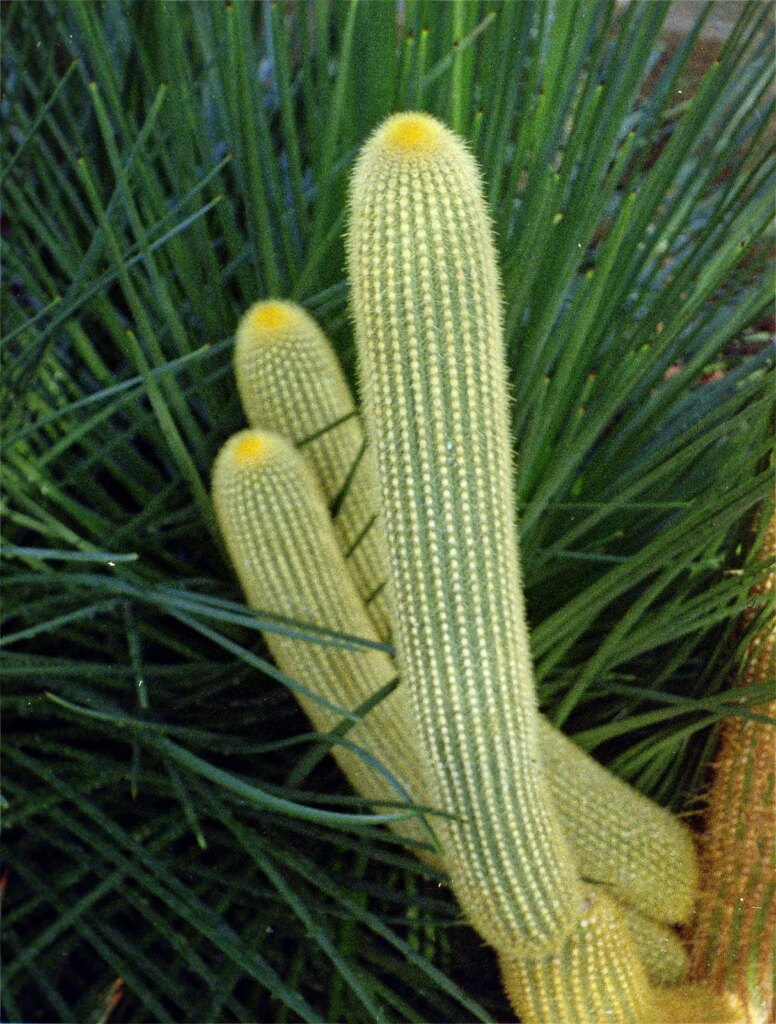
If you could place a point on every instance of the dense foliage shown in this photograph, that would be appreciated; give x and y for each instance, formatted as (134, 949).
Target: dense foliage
(168, 815)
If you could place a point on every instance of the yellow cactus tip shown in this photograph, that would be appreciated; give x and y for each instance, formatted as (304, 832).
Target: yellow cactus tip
(411, 134)
(249, 449)
(269, 316)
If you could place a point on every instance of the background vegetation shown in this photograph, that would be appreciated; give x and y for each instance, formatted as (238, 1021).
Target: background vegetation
(171, 852)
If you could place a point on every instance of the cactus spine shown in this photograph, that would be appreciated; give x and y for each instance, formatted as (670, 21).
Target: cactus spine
(428, 329)
(735, 926)
(290, 381)
(279, 537)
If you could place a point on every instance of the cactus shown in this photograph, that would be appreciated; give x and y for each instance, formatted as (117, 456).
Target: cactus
(428, 330)
(620, 838)
(735, 926)
(567, 953)
(279, 537)
(290, 380)
(291, 383)
(270, 511)
(597, 976)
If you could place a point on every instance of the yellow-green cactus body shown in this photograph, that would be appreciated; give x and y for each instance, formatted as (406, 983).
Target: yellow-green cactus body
(428, 330)
(594, 977)
(279, 537)
(660, 950)
(734, 935)
(291, 383)
(620, 838)
(597, 977)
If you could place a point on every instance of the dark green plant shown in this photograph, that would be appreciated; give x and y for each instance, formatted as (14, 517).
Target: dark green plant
(170, 819)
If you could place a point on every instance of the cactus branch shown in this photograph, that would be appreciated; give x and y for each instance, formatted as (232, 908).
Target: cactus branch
(291, 383)
(427, 311)
(279, 537)
(735, 928)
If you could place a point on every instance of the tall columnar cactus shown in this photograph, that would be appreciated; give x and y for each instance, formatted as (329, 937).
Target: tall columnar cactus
(279, 537)
(735, 928)
(290, 381)
(428, 328)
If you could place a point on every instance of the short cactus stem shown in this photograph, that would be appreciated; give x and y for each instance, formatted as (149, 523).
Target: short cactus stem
(734, 932)
(595, 976)
(621, 839)
(291, 383)
(427, 312)
(660, 949)
(279, 536)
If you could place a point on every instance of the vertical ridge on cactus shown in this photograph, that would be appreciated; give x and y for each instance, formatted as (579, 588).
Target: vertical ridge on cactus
(280, 540)
(427, 314)
(291, 383)
(735, 927)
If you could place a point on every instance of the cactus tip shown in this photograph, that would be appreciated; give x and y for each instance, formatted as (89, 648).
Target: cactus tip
(411, 133)
(269, 316)
(249, 448)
